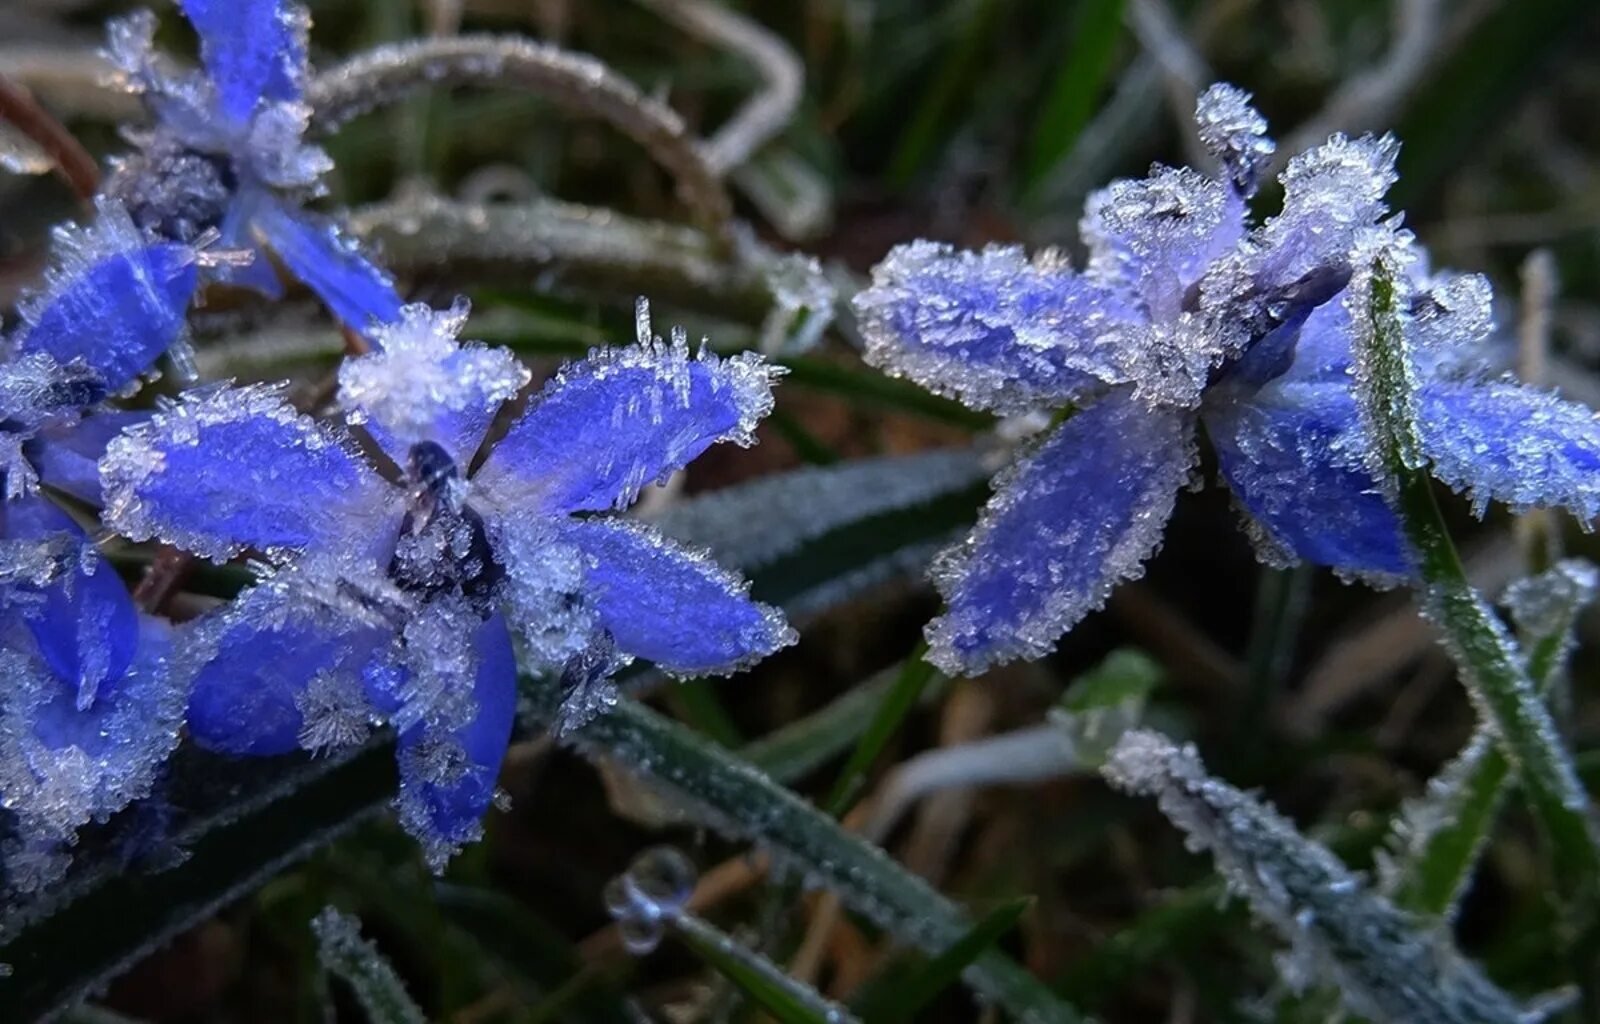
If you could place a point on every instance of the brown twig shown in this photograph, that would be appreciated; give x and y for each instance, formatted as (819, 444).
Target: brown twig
(76, 167)
(167, 570)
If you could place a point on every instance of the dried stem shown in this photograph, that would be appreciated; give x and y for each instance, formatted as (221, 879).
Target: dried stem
(71, 160)
(575, 81)
(766, 113)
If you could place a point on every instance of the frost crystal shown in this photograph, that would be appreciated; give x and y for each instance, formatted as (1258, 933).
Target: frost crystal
(1381, 963)
(390, 604)
(1235, 133)
(342, 951)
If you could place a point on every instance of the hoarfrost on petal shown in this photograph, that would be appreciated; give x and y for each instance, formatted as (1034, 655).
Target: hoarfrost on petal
(1330, 193)
(448, 769)
(1068, 521)
(253, 50)
(621, 419)
(226, 469)
(252, 665)
(1296, 459)
(111, 300)
(992, 329)
(1153, 238)
(420, 384)
(1233, 131)
(588, 686)
(358, 292)
(67, 455)
(1511, 443)
(670, 605)
(544, 587)
(63, 763)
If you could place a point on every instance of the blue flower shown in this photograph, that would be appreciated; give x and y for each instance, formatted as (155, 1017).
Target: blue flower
(88, 712)
(1186, 314)
(399, 603)
(227, 154)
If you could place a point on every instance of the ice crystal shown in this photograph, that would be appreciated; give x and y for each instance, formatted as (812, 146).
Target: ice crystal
(654, 890)
(1234, 132)
(1187, 314)
(399, 604)
(227, 159)
(343, 952)
(1381, 962)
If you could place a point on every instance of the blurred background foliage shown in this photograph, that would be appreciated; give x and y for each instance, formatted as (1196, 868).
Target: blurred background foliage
(971, 121)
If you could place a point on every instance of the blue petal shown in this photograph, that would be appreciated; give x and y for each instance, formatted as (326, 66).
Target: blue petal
(619, 420)
(1155, 237)
(1294, 456)
(447, 782)
(253, 50)
(358, 292)
(256, 661)
(68, 457)
(117, 311)
(238, 233)
(84, 623)
(227, 469)
(669, 605)
(66, 763)
(992, 328)
(1514, 444)
(1068, 521)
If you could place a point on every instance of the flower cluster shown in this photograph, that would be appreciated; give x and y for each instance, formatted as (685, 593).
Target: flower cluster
(404, 568)
(1188, 315)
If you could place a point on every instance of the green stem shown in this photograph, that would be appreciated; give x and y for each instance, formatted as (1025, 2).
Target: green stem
(1491, 668)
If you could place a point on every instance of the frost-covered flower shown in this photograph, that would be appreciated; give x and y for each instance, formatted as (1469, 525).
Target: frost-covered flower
(227, 153)
(1187, 315)
(399, 603)
(88, 712)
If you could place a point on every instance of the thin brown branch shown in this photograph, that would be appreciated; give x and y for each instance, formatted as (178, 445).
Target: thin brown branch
(72, 161)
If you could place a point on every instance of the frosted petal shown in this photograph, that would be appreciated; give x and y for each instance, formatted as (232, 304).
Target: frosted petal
(1294, 456)
(1155, 237)
(992, 328)
(422, 385)
(1233, 131)
(68, 457)
(277, 670)
(253, 50)
(670, 605)
(226, 469)
(447, 775)
(81, 618)
(1068, 521)
(64, 763)
(357, 291)
(111, 299)
(621, 419)
(1330, 193)
(543, 591)
(1518, 445)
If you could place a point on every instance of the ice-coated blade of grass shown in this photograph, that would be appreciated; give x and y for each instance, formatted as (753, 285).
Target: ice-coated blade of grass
(901, 999)
(1438, 837)
(733, 797)
(351, 958)
(766, 984)
(1490, 665)
(1340, 933)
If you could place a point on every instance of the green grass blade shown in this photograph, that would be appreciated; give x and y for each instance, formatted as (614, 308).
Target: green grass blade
(909, 996)
(1071, 98)
(915, 677)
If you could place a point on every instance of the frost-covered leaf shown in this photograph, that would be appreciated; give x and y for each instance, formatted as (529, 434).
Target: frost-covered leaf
(1340, 933)
(1068, 521)
(624, 418)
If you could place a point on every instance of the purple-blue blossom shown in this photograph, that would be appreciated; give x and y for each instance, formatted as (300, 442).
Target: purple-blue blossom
(89, 712)
(406, 601)
(1187, 314)
(226, 159)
